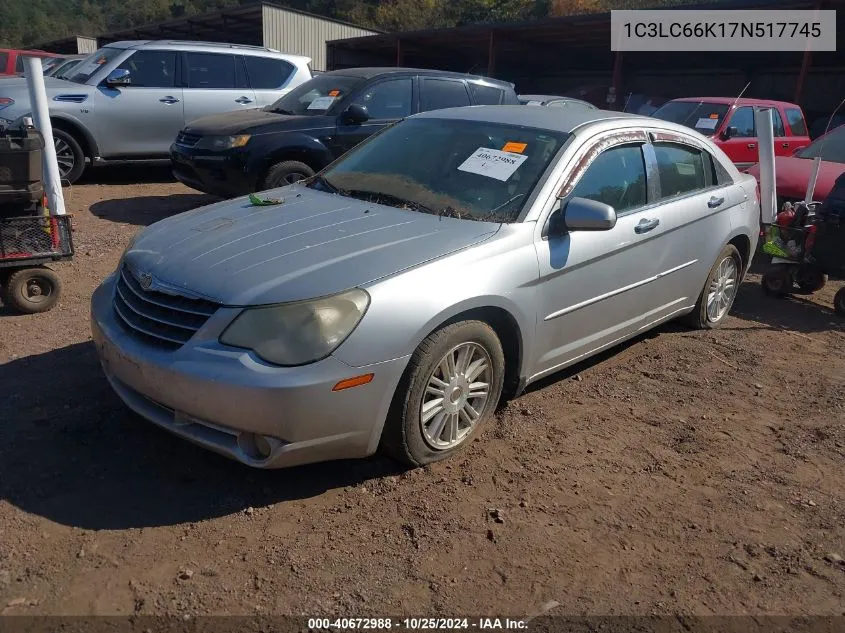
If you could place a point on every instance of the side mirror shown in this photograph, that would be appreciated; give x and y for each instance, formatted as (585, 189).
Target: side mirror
(581, 214)
(729, 132)
(118, 78)
(355, 114)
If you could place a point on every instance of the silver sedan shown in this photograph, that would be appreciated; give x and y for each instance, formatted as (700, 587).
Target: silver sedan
(395, 298)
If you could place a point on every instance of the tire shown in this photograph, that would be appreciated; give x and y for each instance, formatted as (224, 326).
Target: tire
(32, 290)
(70, 156)
(810, 279)
(839, 302)
(777, 281)
(702, 318)
(404, 437)
(286, 173)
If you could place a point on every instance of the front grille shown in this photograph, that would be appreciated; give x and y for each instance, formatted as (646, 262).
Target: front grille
(187, 139)
(158, 317)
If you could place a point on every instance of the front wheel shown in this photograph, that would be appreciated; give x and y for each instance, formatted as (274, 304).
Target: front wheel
(777, 281)
(286, 173)
(32, 290)
(717, 297)
(839, 301)
(69, 156)
(451, 387)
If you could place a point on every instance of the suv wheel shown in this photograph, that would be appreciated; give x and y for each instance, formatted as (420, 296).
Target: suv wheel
(69, 155)
(286, 173)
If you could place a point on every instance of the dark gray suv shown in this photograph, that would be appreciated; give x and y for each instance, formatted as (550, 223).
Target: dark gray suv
(306, 129)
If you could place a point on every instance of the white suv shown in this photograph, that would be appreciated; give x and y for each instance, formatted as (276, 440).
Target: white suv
(128, 100)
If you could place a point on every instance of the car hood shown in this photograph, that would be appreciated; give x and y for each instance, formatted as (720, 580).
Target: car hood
(793, 174)
(52, 84)
(255, 121)
(313, 244)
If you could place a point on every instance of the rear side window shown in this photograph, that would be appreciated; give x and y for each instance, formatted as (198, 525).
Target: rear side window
(486, 95)
(266, 73)
(443, 93)
(796, 122)
(210, 71)
(680, 169)
(151, 69)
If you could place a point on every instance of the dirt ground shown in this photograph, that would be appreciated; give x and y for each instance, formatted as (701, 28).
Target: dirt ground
(686, 472)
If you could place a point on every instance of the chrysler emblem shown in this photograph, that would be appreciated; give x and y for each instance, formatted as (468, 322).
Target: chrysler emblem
(146, 280)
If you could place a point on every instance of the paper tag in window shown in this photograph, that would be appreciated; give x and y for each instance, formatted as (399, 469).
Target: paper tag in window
(492, 163)
(685, 169)
(516, 148)
(321, 103)
(706, 124)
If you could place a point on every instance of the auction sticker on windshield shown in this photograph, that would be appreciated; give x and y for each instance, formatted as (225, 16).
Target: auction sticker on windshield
(321, 103)
(706, 124)
(492, 163)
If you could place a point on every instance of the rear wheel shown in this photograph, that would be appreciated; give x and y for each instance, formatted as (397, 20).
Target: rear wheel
(286, 173)
(451, 387)
(69, 155)
(32, 290)
(717, 297)
(777, 281)
(839, 302)
(810, 279)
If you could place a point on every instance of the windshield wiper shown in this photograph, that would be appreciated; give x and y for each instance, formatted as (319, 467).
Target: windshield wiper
(282, 111)
(386, 198)
(324, 182)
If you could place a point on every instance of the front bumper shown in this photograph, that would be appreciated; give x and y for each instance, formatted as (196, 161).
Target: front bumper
(220, 397)
(219, 173)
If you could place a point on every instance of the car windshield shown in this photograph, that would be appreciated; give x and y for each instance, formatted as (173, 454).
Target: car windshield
(470, 170)
(65, 69)
(830, 147)
(91, 64)
(701, 116)
(315, 96)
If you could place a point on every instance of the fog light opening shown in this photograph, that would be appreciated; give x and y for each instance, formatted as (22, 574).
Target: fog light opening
(255, 446)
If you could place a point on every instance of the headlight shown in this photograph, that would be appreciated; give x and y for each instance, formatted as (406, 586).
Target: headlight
(223, 142)
(298, 333)
(5, 102)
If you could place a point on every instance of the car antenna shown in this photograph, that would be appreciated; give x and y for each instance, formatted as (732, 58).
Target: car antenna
(739, 96)
(469, 72)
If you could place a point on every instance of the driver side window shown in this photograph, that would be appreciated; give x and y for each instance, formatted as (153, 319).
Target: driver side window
(151, 69)
(388, 99)
(616, 177)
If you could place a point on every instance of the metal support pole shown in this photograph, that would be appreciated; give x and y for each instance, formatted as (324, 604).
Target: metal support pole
(491, 55)
(766, 142)
(41, 117)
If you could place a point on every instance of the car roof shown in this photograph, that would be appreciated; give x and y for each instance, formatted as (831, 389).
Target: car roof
(375, 71)
(739, 102)
(553, 119)
(192, 45)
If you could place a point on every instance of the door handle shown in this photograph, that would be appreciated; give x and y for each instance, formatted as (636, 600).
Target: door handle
(645, 226)
(169, 100)
(243, 100)
(715, 202)
(751, 145)
(784, 144)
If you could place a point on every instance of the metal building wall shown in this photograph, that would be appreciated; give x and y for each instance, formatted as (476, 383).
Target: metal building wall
(86, 44)
(301, 34)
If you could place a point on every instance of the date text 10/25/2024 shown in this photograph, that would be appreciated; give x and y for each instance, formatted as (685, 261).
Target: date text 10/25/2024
(415, 624)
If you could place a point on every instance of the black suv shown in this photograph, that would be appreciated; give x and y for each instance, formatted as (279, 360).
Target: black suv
(251, 150)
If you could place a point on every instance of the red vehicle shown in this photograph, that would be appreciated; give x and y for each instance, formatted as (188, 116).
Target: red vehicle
(11, 60)
(730, 123)
(792, 173)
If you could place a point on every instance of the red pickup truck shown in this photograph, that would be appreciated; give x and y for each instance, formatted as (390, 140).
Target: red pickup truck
(11, 60)
(730, 123)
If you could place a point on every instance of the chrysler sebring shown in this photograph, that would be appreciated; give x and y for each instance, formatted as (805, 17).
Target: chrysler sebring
(392, 300)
